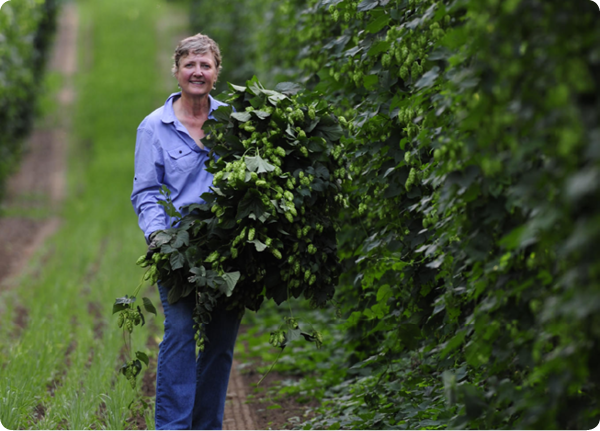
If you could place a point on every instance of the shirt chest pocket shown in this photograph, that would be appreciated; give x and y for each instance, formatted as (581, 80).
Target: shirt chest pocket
(183, 158)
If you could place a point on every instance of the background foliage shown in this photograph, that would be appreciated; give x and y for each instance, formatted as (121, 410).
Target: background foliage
(471, 286)
(471, 283)
(26, 29)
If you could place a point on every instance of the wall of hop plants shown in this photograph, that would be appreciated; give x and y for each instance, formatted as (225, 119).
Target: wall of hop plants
(26, 29)
(471, 287)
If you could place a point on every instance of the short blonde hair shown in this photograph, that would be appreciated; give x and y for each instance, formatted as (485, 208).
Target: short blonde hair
(197, 44)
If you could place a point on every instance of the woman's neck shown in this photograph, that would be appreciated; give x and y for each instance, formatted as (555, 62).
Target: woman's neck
(196, 107)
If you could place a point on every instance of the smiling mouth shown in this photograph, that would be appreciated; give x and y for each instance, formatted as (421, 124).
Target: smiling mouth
(197, 82)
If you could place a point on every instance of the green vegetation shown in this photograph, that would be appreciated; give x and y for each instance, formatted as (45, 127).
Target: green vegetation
(26, 30)
(59, 353)
(471, 288)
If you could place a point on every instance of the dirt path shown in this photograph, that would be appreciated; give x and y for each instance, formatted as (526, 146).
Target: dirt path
(238, 415)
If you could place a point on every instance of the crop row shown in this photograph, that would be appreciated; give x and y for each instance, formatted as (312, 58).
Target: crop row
(472, 284)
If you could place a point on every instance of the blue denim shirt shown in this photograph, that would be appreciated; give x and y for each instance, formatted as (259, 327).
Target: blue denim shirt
(166, 154)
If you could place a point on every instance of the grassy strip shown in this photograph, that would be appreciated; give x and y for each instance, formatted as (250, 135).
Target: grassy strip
(60, 370)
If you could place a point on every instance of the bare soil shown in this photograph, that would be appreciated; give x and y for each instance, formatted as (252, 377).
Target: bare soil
(269, 410)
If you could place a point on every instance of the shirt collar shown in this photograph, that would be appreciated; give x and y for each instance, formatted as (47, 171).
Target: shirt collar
(168, 115)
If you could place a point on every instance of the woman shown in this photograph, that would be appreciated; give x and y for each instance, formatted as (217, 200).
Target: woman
(190, 391)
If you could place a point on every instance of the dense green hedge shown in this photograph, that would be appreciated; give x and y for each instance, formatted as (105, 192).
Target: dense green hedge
(26, 29)
(472, 285)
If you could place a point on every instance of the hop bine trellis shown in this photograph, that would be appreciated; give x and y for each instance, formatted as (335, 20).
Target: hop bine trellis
(268, 228)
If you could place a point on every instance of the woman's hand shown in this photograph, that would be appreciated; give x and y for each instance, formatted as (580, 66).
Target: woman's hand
(152, 245)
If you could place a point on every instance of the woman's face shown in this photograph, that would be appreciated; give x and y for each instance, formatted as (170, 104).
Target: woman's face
(196, 74)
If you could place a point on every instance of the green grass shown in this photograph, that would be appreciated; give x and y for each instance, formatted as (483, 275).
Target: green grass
(65, 361)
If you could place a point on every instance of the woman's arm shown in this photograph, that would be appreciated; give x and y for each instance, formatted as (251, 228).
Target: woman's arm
(147, 182)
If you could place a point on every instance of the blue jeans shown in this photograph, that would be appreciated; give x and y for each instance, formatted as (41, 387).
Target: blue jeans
(190, 391)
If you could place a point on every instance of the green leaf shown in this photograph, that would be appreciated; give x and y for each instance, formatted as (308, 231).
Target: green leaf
(253, 86)
(149, 306)
(258, 165)
(176, 260)
(175, 292)
(258, 245)
(167, 203)
(274, 97)
(242, 117)
(378, 24)
(237, 88)
(231, 279)
(428, 79)
(332, 132)
(251, 203)
(290, 131)
(201, 271)
(582, 183)
(222, 113)
(122, 303)
(308, 337)
(137, 366)
(440, 53)
(288, 88)
(182, 238)
(379, 47)
(370, 81)
(293, 334)
(456, 38)
(384, 293)
(518, 237)
(453, 343)
(262, 115)
(142, 357)
(162, 237)
(366, 5)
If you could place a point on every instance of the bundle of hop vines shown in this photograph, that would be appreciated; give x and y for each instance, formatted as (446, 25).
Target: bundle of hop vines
(267, 229)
